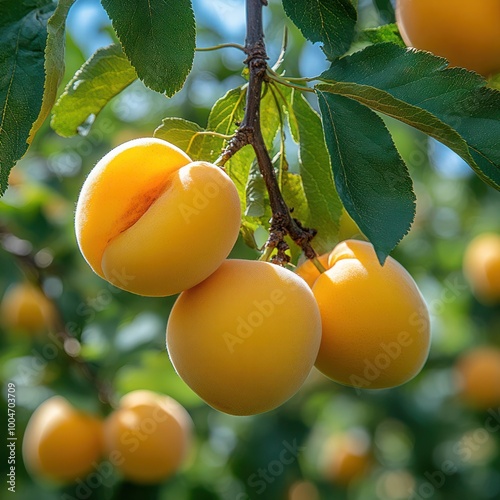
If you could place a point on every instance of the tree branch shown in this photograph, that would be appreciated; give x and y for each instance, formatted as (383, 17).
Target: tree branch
(250, 132)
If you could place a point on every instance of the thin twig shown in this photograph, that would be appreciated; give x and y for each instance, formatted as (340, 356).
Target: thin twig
(286, 81)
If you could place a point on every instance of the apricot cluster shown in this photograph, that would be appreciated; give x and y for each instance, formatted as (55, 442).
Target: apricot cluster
(146, 438)
(244, 335)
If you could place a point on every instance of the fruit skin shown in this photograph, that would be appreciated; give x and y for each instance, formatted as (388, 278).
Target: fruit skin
(148, 436)
(61, 443)
(477, 374)
(464, 32)
(376, 330)
(246, 338)
(481, 267)
(25, 308)
(154, 223)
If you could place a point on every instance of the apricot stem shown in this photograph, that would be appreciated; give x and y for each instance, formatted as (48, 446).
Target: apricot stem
(249, 132)
(318, 265)
(266, 255)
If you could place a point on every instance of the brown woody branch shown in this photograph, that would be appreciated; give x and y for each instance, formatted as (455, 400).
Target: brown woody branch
(249, 132)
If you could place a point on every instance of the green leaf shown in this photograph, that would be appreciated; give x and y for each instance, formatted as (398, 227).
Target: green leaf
(247, 231)
(494, 82)
(238, 168)
(386, 10)
(381, 34)
(183, 134)
(407, 113)
(54, 61)
(324, 205)
(154, 372)
(270, 116)
(331, 22)
(104, 75)
(371, 178)
(23, 38)
(452, 105)
(158, 37)
(257, 199)
(224, 117)
(294, 196)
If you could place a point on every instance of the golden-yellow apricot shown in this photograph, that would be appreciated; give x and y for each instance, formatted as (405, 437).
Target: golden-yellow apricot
(376, 331)
(464, 32)
(309, 272)
(25, 308)
(62, 443)
(346, 457)
(478, 375)
(246, 338)
(148, 437)
(481, 267)
(154, 223)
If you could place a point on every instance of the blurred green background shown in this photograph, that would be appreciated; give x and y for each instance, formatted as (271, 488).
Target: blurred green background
(409, 432)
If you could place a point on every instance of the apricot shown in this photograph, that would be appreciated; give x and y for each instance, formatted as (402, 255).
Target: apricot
(25, 308)
(246, 338)
(148, 436)
(466, 33)
(154, 223)
(478, 375)
(61, 443)
(309, 272)
(481, 266)
(346, 457)
(376, 331)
